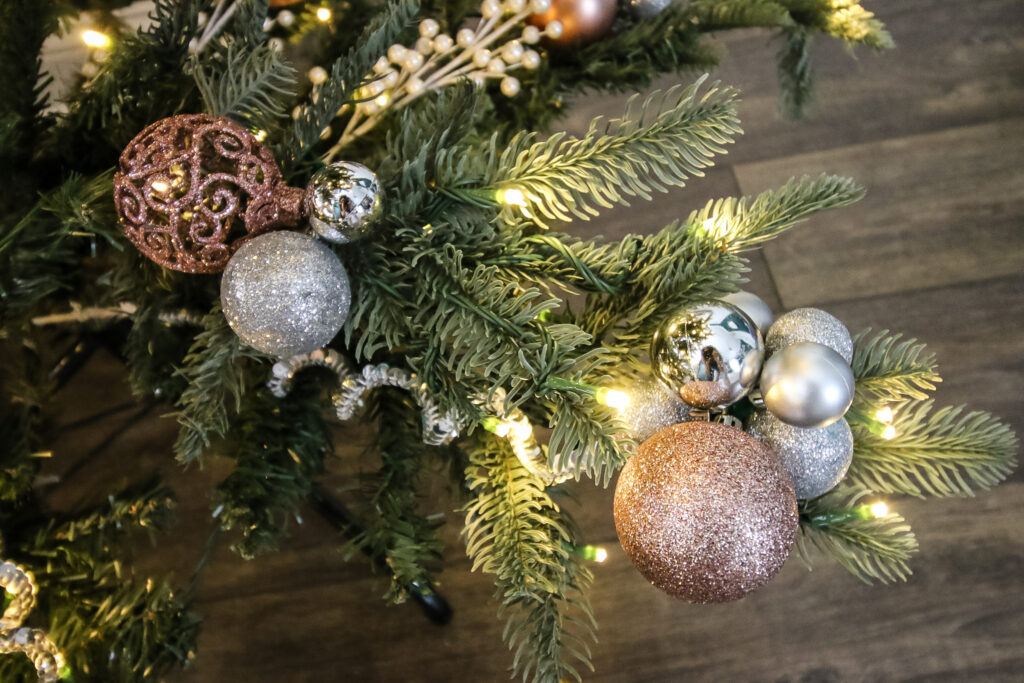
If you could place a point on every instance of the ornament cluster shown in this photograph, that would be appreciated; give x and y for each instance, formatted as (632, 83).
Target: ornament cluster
(705, 510)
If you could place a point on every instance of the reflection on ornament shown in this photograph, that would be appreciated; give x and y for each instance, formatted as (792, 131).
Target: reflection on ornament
(342, 200)
(807, 385)
(646, 9)
(705, 512)
(816, 459)
(285, 293)
(755, 308)
(580, 21)
(710, 354)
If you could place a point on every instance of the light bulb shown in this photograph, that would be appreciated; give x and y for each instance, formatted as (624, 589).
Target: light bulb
(95, 39)
(613, 398)
(600, 555)
(889, 433)
(879, 510)
(511, 197)
(323, 14)
(884, 415)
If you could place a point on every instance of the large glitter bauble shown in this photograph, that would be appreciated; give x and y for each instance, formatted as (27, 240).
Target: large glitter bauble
(285, 293)
(705, 512)
(755, 308)
(343, 200)
(807, 385)
(583, 21)
(646, 9)
(810, 325)
(816, 459)
(710, 354)
(652, 407)
(192, 188)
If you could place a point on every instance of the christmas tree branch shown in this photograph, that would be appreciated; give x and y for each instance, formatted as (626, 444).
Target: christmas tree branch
(888, 369)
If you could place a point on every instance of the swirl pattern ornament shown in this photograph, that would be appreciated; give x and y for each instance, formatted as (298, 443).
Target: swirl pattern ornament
(33, 643)
(192, 188)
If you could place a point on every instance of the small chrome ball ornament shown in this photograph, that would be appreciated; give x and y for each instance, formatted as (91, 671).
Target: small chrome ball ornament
(342, 201)
(710, 354)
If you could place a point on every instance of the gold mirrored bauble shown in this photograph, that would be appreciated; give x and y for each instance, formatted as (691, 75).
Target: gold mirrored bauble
(710, 354)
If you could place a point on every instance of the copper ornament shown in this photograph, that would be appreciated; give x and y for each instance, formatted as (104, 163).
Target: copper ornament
(705, 512)
(192, 188)
(583, 21)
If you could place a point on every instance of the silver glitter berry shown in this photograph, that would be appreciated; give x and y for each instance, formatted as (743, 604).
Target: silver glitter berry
(652, 407)
(810, 325)
(705, 512)
(645, 9)
(807, 385)
(709, 353)
(285, 293)
(342, 200)
(816, 459)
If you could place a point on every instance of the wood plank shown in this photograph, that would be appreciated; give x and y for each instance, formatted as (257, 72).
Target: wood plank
(942, 208)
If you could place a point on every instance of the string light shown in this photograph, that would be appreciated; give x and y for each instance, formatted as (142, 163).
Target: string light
(323, 14)
(879, 510)
(613, 398)
(95, 39)
(884, 415)
(511, 197)
(889, 433)
(260, 135)
(382, 100)
(592, 552)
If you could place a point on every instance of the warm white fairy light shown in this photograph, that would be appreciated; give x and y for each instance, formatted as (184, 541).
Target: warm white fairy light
(323, 14)
(511, 197)
(613, 398)
(600, 555)
(879, 510)
(436, 60)
(889, 433)
(884, 415)
(95, 39)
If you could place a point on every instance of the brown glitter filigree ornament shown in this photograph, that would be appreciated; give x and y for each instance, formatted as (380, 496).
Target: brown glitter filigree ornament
(705, 512)
(192, 188)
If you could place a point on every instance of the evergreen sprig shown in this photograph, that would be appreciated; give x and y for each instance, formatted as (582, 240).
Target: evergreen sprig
(796, 76)
(515, 531)
(888, 369)
(253, 86)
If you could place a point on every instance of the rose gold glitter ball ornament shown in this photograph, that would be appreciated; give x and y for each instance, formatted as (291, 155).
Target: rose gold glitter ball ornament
(583, 21)
(705, 512)
(192, 188)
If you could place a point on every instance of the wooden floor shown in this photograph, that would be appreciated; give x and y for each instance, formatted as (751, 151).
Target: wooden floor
(935, 130)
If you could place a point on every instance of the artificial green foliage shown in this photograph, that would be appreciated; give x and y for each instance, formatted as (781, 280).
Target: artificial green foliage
(871, 548)
(489, 300)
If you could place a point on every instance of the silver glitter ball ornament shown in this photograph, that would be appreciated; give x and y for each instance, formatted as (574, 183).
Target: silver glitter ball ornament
(652, 407)
(343, 200)
(710, 354)
(645, 9)
(705, 512)
(810, 325)
(285, 293)
(755, 308)
(816, 459)
(807, 385)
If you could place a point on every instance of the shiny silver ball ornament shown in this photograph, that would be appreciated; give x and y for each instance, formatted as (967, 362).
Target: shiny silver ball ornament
(285, 293)
(816, 459)
(342, 201)
(652, 407)
(645, 9)
(755, 308)
(710, 354)
(807, 385)
(810, 325)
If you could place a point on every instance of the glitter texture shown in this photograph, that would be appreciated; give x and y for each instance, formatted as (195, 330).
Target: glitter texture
(807, 385)
(816, 459)
(285, 293)
(192, 188)
(652, 407)
(709, 353)
(705, 512)
(342, 200)
(810, 325)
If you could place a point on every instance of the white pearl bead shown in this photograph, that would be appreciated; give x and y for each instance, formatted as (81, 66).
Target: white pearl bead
(496, 66)
(513, 51)
(481, 57)
(275, 44)
(382, 66)
(443, 43)
(390, 79)
(268, 23)
(429, 28)
(531, 35)
(424, 46)
(516, 6)
(90, 69)
(509, 86)
(490, 8)
(317, 75)
(396, 53)
(285, 18)
(413, 60)
(553, 30)
(531, 60)
(464, 37)
(540, 6)
(415, 86)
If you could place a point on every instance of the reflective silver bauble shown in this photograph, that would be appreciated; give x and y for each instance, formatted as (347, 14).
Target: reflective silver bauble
(285, 293)
(710, 354)
(807, 385)
(342, 200)
(816, 459)
(810, 325)
(645, 9)
(652, 407)
(755, 308)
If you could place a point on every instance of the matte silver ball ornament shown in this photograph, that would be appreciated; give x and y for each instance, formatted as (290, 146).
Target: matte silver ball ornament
(810, 325)
(705, 512)
(342, 200)
(285, 293)
(710, 354)
(816, 459)
(646, 9)
(755, 308)
(652, 407)
(807, 385)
